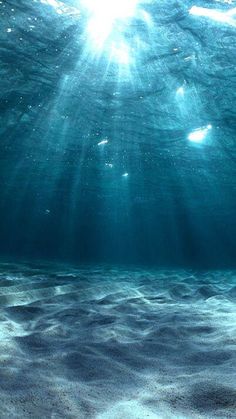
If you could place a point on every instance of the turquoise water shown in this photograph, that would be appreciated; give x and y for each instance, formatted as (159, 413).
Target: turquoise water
(117, 209)
(117, 132)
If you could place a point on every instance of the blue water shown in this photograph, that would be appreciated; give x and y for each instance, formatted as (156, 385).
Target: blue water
(117, 209)
(117, 144)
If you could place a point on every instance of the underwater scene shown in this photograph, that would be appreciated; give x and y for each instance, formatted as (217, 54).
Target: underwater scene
(118, 209)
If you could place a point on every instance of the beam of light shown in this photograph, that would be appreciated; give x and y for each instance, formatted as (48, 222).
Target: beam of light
(61, 7)
(217, 15)
(120, 53)
(112, 9)
(107, 22)
(105, 14)
(198, 135)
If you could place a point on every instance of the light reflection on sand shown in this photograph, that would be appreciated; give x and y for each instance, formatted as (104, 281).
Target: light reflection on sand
(113, 343)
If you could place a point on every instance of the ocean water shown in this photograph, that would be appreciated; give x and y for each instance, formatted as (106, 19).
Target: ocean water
(117, 209)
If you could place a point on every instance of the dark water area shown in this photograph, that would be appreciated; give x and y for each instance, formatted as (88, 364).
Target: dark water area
(117, 209)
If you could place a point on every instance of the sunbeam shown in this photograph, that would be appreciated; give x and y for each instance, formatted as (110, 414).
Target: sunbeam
(107, 17)
(117, 209)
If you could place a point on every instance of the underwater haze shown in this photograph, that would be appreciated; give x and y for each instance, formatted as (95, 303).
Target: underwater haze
(117, 209)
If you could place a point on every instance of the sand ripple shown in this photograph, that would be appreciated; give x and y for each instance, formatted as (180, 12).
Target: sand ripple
(113, 343)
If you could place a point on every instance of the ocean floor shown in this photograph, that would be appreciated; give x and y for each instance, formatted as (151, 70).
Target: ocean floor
(104, 343)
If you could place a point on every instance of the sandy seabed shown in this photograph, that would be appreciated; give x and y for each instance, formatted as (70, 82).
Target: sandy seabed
(114, 343)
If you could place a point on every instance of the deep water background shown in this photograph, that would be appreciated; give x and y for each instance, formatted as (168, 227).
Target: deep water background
(63, 196)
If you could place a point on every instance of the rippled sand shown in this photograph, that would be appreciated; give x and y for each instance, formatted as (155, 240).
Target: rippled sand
(114, 343)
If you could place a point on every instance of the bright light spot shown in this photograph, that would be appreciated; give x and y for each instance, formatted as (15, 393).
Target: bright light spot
(121, 53)
(103, 142)
(219, 16)
(146, 17)
(125, 175)
(9, 30)
(107, 20)
(109, 165)
(199, 134)
(60, 7)
(98, 31)
(190, 57)
(54, 3)
(180, 91)
(111, 9)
